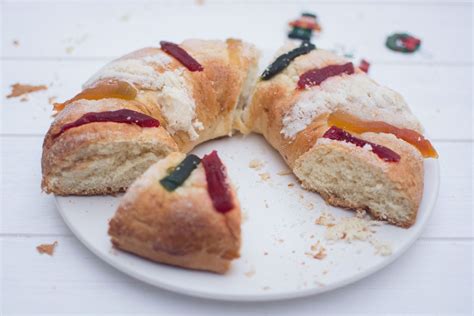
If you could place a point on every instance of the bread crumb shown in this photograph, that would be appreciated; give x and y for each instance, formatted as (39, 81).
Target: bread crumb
(351, 228)
(256, 164)
(290, 185)
(264, 176)
(19, 89)
(284, 173)
(47, 248)
(69, 50)
(360, 213)
(317, 251)
(325, 219)
(319, 284)
(250, 273)
(52, 99)
(358, 227)
(381, 248)
(199, 2)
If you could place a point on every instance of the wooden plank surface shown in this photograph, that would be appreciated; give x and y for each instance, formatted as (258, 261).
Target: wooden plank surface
(61, 43)
(110, 29)
(417, 282)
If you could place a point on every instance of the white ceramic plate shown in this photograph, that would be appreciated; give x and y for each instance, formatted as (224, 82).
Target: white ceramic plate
(278, 230)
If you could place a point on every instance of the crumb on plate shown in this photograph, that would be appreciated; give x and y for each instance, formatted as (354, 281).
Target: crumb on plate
(256, 164)
(284, 173)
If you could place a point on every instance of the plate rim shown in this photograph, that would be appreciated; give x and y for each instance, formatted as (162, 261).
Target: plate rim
(266, 296)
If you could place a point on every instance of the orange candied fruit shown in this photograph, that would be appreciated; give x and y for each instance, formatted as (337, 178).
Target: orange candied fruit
(103, 89)
(353, 124)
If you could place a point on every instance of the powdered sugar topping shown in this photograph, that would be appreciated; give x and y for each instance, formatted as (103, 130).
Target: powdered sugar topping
(355, 94)
(174, 98)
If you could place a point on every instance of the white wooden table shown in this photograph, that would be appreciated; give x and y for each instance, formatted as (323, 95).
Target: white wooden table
(61, 43)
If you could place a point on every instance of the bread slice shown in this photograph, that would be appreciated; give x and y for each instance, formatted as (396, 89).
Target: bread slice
(192, 107)
(293, 121)
(355, 178)
(179, 228)
(100, 158)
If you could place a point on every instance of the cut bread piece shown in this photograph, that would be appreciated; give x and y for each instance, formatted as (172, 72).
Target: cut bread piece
(180, 227)
(294, 118)
(191, 107)
(101, 157)
(355, 178)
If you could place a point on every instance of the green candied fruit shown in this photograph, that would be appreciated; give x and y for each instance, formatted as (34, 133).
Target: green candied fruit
(179, 174)
(284, 60)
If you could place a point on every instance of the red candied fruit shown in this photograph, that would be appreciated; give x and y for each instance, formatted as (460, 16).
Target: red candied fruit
(364, 65)
(315, 77)
(217, 185)
(181, 55)
(120, 116)
(353, 124)
(383, 152)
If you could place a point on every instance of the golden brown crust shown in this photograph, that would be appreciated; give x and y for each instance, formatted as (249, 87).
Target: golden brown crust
(405, 176)
(181, 227)
(274, 99)
(73, 150)
(214, 92)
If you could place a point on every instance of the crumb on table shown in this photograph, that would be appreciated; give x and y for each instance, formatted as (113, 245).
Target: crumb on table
(47, 248)
(19, 89)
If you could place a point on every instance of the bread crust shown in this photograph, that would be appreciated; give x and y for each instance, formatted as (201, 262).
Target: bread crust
(79, 147)
(405, 176)
(214, 93)
(180, 228)
(273, 101)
